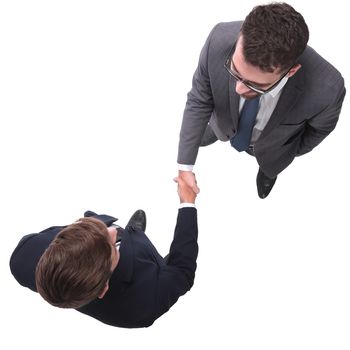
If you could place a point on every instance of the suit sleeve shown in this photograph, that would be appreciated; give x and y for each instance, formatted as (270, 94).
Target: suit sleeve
(177, 276)
(323, 123)
(198, 110)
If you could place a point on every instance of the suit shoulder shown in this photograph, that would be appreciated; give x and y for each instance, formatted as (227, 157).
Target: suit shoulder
(226, 32)
(21, 265)
(18, 248)
(319, 71)
(26, 255)
(222, 38)
(229, 27)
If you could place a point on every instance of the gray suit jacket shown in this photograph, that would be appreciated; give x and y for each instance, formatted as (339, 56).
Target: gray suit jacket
(307, 111)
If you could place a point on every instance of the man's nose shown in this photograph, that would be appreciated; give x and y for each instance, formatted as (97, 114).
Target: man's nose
(241, 88)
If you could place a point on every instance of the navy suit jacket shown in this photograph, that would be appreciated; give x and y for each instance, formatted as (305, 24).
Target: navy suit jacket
(142, 287)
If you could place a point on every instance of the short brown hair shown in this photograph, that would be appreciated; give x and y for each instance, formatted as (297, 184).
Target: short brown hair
(76, 266)
(274, 36)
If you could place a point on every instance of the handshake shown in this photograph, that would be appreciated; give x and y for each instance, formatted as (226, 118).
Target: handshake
(187, 186)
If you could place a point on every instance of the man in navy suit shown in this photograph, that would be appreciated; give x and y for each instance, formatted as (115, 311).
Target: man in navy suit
(114, 275)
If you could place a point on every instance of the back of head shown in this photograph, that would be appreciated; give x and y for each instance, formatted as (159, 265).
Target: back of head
(76, 266)
(274, 36)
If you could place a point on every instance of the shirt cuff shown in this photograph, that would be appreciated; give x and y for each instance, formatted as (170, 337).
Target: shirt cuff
(187, 205)
(185, 167)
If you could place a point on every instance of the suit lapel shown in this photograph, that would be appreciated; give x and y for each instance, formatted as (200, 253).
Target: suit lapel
(289, 97)
(234, 101)
(125, 267)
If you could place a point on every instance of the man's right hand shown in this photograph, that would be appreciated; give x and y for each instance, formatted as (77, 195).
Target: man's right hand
(190, 179)
(186, 192)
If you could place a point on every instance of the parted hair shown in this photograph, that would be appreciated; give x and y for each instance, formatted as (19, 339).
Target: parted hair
(76, 266)
(274, 36)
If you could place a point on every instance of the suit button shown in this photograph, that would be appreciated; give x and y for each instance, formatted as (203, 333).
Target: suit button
(228, 136)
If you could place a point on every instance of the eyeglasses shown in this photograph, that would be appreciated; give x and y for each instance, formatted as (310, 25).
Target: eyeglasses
(257, 89)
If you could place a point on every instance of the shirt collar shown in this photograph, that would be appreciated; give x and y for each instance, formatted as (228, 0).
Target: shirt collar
(274, 92)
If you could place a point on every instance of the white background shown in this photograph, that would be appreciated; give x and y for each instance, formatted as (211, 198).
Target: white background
(92, 95)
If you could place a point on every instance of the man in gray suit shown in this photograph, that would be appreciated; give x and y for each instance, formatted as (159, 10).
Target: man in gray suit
(259, 86)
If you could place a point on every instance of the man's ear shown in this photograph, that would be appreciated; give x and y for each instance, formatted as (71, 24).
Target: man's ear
(104, 291)
(293, 70)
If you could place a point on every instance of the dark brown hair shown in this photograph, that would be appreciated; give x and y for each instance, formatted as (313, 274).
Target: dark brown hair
(274, 36)
(76, 266)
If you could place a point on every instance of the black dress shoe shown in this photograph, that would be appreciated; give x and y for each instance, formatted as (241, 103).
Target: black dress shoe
(138, 221)
(264, 184)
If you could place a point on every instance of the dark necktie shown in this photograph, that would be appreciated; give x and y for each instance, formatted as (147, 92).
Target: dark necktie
(247, 118)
